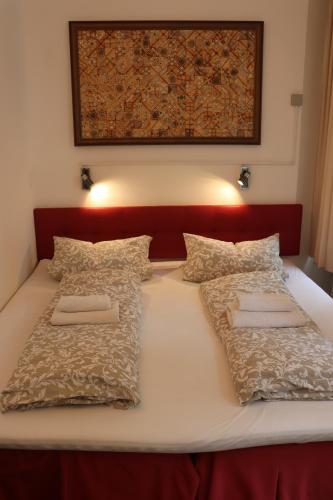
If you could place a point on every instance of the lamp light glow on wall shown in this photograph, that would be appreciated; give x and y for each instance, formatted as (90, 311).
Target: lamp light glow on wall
(244, 177)
(86, 180)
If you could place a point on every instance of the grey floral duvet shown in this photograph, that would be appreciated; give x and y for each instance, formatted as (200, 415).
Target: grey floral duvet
(270, 363)
(86, 363)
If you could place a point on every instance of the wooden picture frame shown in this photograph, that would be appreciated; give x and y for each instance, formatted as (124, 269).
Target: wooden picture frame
(166, 82)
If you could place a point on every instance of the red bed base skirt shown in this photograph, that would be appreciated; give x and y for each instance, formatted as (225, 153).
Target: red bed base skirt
(282, 472)
(80, 475)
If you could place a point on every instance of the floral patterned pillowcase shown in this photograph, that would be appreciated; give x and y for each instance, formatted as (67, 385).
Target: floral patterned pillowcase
(72, 256)
(208, 258)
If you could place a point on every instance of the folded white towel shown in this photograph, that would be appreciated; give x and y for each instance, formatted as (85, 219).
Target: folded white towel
(92, 317)
(264, 302)
(259, 319)
(81, 303)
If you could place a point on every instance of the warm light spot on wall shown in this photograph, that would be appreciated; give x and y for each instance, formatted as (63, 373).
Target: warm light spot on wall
(229, 194)
(99, 194)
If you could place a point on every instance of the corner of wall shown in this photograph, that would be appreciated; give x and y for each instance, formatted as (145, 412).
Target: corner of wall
(17, 246)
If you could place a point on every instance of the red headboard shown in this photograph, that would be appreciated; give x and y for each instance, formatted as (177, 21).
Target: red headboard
(167, 223)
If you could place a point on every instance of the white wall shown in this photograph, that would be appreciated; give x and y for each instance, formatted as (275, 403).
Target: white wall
(138, 175)
(17, 253)
(37, 133)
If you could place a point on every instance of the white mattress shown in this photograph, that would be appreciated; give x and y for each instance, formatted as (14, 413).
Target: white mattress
(188, 400)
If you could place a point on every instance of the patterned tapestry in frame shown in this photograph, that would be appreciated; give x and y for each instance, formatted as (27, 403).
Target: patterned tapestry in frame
(166, 82)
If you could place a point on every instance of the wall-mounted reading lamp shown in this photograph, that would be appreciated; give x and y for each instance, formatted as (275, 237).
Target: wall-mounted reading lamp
(244, 177)
(86, 180)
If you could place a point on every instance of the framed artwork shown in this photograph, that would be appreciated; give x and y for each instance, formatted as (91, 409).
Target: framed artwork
(166, 82)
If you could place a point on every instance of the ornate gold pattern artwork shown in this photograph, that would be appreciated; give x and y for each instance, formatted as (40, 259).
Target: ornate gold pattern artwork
(166, 82)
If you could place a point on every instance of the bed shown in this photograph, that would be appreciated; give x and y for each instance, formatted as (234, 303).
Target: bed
(189, 438)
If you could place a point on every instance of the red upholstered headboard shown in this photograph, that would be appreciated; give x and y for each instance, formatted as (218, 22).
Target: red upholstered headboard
(167, 223)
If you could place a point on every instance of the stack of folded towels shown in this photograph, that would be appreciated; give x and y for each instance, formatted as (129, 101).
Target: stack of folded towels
(80, 309)
(264, 310)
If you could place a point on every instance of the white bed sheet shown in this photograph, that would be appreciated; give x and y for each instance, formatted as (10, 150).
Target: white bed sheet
(188, 400)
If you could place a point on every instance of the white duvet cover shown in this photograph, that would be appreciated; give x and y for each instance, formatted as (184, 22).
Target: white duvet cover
(188, 402)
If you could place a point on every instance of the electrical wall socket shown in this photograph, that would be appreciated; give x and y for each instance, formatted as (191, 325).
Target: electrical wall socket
(296, 100)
